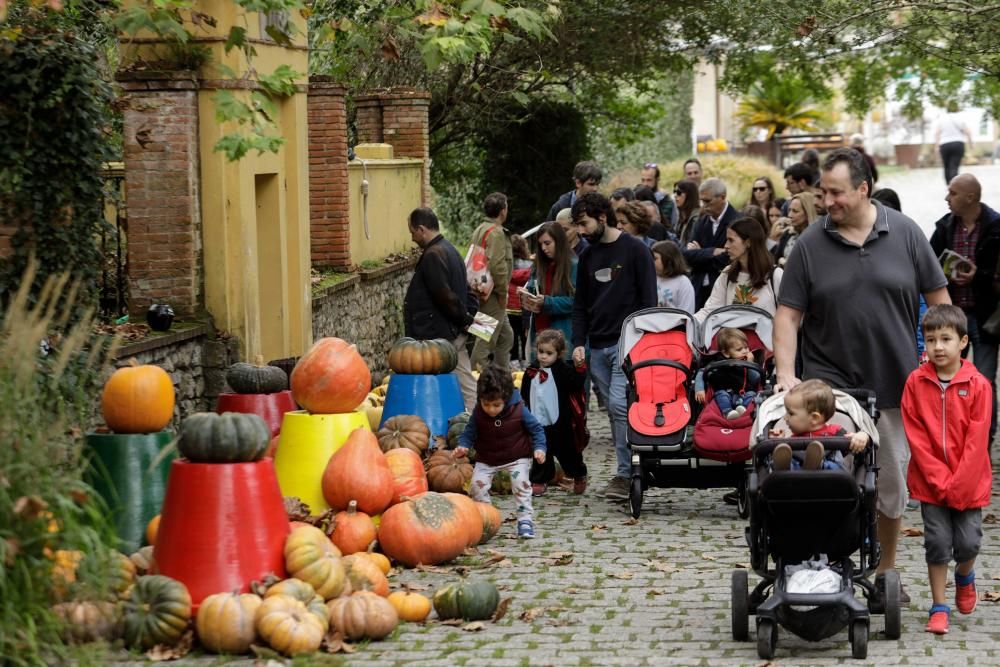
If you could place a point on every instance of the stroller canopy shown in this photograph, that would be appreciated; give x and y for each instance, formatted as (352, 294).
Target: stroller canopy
(655, 320)
(738, 317)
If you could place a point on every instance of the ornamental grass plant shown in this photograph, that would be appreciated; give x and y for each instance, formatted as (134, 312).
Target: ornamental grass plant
(55, 536)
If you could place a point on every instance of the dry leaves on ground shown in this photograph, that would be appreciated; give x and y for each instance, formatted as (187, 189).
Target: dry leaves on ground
(475, 626)
(434, 568)
(990, 518)
(709, 557)
(502, 608)
(911, 532)
(624, 574)
(127, 331)
(334, 642)
(528, 615)
(657, 591)
(660, 566)
(631, 521)
(163, 653)
(560, 558)
(598, 526)
(989, 596)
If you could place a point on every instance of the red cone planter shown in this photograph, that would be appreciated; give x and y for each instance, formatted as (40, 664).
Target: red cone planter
(223, 526)
(270, 407)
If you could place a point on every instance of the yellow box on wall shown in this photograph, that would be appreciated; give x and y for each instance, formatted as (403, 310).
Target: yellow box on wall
(378, 221)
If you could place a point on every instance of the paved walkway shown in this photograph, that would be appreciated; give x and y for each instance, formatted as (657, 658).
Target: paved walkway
(922, 191)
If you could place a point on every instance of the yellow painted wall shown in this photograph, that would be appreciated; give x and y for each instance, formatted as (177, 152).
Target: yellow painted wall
(394, 190)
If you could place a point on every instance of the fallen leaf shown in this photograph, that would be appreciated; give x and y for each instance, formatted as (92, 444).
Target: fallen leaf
(990, 596)
(433, 16)
(528, 615)
(434, 568)
(560, 558)
(571, 591)
(990, 518)
(494, 557)
(631, 521)
(660, 566)
(452, 621)
(657, 591)
(415, 587)
(475, 626)
(334, 643)
(911, 532)
(625, 574)
(709, 557)
(502, 609)
(598, 526)
(163, 653)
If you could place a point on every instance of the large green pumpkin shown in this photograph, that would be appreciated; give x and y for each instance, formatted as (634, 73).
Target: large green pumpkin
(232, 437)
(423, 357)
(256, 378)
(456, 425)
(471, 599)
(156, 612)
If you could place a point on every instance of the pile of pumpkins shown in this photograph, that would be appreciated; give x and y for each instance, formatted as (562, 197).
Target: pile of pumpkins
(327, 591)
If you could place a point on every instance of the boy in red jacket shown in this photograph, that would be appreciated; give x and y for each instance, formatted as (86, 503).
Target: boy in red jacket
(946, 414)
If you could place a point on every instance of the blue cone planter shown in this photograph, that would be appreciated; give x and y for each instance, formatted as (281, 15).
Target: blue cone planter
(433, 398)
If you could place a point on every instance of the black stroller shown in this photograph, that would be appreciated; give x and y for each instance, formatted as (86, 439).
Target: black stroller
(796, 516)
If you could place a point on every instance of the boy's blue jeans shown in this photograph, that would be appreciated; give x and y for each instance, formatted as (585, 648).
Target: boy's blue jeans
(727, 400)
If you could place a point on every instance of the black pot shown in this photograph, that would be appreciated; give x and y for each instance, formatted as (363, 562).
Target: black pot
(159, 317)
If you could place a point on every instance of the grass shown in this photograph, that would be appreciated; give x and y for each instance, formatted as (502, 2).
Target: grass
(328, 279)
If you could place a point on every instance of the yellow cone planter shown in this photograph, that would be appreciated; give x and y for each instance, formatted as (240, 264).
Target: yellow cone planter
(307, 443)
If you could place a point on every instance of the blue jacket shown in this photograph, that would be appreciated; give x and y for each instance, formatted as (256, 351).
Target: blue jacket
(557, 307)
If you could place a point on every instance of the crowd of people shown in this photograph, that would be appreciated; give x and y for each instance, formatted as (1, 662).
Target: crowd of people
(845, 274)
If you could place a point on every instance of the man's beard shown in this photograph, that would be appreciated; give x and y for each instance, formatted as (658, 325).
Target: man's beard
(596, 236)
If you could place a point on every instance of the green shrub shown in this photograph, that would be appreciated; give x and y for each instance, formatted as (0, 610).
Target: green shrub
(45, 402)
(737, 172)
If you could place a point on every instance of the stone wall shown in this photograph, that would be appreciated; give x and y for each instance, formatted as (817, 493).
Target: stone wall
(367, 310)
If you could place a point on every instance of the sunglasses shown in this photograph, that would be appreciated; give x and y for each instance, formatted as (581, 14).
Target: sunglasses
(763, 189)
(678, 192)
(650, 165)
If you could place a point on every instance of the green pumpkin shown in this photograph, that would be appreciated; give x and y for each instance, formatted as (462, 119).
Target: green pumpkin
(157, 612)
(256, 378)
(471, 599)
(455, 427)
(232, 437)
(409, 356)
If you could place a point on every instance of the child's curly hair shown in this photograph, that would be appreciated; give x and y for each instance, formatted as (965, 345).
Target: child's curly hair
(495, 382)
(552, 337)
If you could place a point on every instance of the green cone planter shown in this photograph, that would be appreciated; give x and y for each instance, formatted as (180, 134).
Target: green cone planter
(120, 471)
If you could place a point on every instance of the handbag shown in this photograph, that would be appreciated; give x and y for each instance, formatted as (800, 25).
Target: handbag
(477, 267)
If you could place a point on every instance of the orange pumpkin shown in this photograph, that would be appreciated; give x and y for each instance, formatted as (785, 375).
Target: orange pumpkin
(288, 627)
(407, 431)
(152, 529)
(138, 399)
(331, 378)
(353, 531)
(492, 520)
(412, 607)
(312, 557)
(407, 473)
(365, 575)
(472, 518)
(358, 471)
(226, 622)
(428, 529)
(446, 472)
(380, 560)
(363, 615)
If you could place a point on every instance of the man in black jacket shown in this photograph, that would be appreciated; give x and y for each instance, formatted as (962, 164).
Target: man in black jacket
(972, 229)
(706, 253)
(586, 177)
(436, 302)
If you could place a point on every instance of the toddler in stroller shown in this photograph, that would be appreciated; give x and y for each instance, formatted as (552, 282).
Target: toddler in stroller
(806, 517)
(739, 391)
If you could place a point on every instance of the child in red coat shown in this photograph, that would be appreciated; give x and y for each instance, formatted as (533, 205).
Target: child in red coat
(946, 413)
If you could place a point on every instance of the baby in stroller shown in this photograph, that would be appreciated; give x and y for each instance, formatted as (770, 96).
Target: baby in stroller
(736, 395)
(808, 409)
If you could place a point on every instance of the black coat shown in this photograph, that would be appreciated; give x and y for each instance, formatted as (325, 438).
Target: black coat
(986, 256)
(702, 261)
(568, 380)
(436, 304)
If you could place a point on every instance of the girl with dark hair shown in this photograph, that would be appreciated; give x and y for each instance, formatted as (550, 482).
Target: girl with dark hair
(673, 287)
(688, 206)
(518, 277)
(762, 193)
(751, 278)
(548, 295)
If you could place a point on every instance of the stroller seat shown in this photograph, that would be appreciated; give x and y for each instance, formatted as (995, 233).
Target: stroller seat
(659, 364)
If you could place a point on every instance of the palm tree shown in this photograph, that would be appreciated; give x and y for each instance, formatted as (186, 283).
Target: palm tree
(777, 102)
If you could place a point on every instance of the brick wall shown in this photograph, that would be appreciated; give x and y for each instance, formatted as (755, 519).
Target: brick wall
(163, 194)
(329, 211)
(397, 117)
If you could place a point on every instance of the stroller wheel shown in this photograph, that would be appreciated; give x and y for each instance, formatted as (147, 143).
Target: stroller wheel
(740, 606)
(893, 606)
(742, 498)
(635, 496)
(767, 637)
(859, 639)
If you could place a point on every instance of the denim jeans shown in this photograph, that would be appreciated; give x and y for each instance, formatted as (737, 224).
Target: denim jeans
(727, 400)
(609, 380)
(984, 356)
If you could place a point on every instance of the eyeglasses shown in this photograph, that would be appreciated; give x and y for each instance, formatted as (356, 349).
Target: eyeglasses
(678, 192)
(650, 165)
(763, 189)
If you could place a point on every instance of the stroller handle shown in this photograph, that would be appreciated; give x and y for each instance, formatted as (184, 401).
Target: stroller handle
(733, 363)
(630, 369)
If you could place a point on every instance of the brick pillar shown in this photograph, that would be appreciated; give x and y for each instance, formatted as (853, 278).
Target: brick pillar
(368, 118)
(162, 187)
(404, 125)
(329, 211)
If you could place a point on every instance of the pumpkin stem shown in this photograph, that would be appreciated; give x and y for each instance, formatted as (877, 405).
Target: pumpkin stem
(133, 362)
(258, 361)
(352, 507)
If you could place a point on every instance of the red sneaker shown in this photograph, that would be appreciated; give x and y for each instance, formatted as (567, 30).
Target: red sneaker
(539, 489)
(938, 623)
(579, 485)
(966, 597)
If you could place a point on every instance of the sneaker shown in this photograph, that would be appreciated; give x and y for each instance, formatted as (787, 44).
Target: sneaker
(781, 459)
(814, 456)
(539, 489)
(525, 529)
(877, 601)
(617, 489)
(966, 596)
(579, 485)
(938, 621)
(740, 409)
(732, 414)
